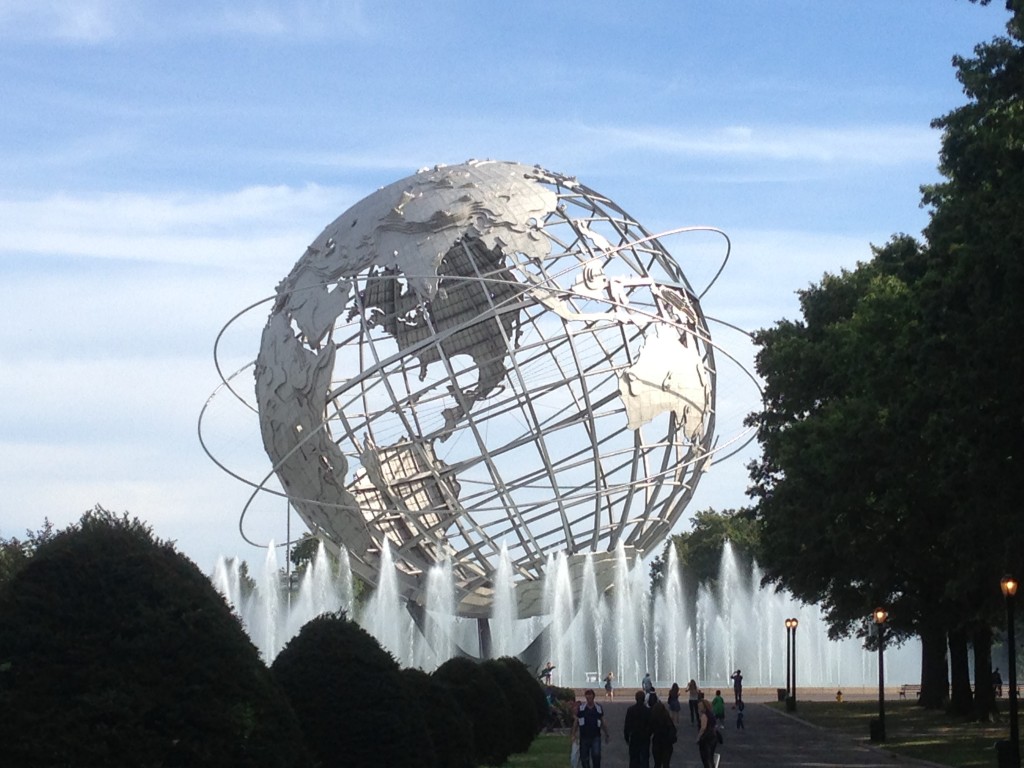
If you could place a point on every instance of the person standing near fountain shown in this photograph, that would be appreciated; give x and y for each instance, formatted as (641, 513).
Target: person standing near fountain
(694, 695)
(588, 726)
(545, 674)
(637, 730)
(647, 684)
(718, 707)
(737, 687)
(608, 691)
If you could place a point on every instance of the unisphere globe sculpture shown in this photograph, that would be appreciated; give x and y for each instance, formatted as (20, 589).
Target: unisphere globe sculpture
(486, 356)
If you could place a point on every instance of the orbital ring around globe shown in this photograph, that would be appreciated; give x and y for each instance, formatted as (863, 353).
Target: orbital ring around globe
(479, 361)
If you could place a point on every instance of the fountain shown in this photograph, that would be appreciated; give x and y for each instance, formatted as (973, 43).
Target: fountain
(733, 623)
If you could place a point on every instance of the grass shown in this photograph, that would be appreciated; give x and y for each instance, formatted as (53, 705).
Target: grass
(911, 731)
(547, 751)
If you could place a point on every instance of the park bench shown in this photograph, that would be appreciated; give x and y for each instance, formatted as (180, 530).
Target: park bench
(593, 677)
(908, 688)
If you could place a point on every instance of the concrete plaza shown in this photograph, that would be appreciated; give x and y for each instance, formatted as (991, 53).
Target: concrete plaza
(771, 738)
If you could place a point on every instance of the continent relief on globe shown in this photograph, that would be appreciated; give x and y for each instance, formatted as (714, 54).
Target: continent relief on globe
(668, 376)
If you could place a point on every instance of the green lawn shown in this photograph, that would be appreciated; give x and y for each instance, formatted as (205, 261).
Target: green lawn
(548, 751)
(912, 730)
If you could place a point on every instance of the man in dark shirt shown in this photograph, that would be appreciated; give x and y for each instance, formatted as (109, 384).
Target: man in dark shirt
(588, 726)
(637, 730)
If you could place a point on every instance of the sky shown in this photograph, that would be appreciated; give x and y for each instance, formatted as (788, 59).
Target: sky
(162, 167)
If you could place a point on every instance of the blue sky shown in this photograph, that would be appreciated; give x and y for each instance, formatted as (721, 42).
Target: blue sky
(162, 166)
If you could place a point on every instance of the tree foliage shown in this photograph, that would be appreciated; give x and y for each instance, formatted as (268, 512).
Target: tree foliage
(14, 552)
(116, 650)
(893, 428)
(699, 551)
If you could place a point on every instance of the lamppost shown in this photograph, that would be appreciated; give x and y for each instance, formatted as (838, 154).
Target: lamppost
(1009, 587)
(789, 656)
(879, 616)
(791, 625)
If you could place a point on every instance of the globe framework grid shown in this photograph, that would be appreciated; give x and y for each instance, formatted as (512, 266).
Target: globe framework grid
(486, 360)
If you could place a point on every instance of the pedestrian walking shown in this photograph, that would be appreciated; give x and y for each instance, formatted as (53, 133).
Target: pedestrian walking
(637, 730)
(663, 735)
(693, 693)
(587, 727)
(674, 708)
(707, 735)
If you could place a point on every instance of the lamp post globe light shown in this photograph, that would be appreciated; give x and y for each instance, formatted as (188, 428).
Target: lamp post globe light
(791, 625)
(1009, 585)
(878, 726)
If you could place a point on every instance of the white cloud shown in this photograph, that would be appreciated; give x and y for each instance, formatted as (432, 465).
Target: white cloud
(874, 145)
(82, 21)
(96, 22)
(262, 223)
(311, 19)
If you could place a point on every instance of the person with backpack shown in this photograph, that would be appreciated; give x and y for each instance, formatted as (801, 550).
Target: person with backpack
(707, 736)
(587, 726)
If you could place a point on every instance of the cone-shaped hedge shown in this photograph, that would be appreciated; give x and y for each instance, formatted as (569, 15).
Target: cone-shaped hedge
(116, 650)
(351, 699)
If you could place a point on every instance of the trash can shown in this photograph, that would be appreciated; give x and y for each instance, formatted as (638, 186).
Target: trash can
(875, 728)
(781, 693)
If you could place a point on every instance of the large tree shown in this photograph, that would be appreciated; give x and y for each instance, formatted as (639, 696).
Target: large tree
(699, 550)
(842, 486)
(893, 429)
(971, 298)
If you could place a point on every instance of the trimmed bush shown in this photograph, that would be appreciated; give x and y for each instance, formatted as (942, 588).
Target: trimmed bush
(520, 708)
(116, 650)
(451, 729)
(485, 704)
(351, 699)
(531, 691)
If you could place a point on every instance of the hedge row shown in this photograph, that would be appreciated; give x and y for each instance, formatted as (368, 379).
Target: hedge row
(116, 650)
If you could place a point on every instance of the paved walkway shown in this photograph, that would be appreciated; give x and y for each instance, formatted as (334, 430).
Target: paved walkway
(771, 739)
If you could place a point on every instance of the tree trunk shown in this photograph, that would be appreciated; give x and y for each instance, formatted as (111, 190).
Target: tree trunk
(962, 701)
(934, 679)
(984, 696)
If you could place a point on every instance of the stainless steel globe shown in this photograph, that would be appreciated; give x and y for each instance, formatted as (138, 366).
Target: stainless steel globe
(481, 356)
